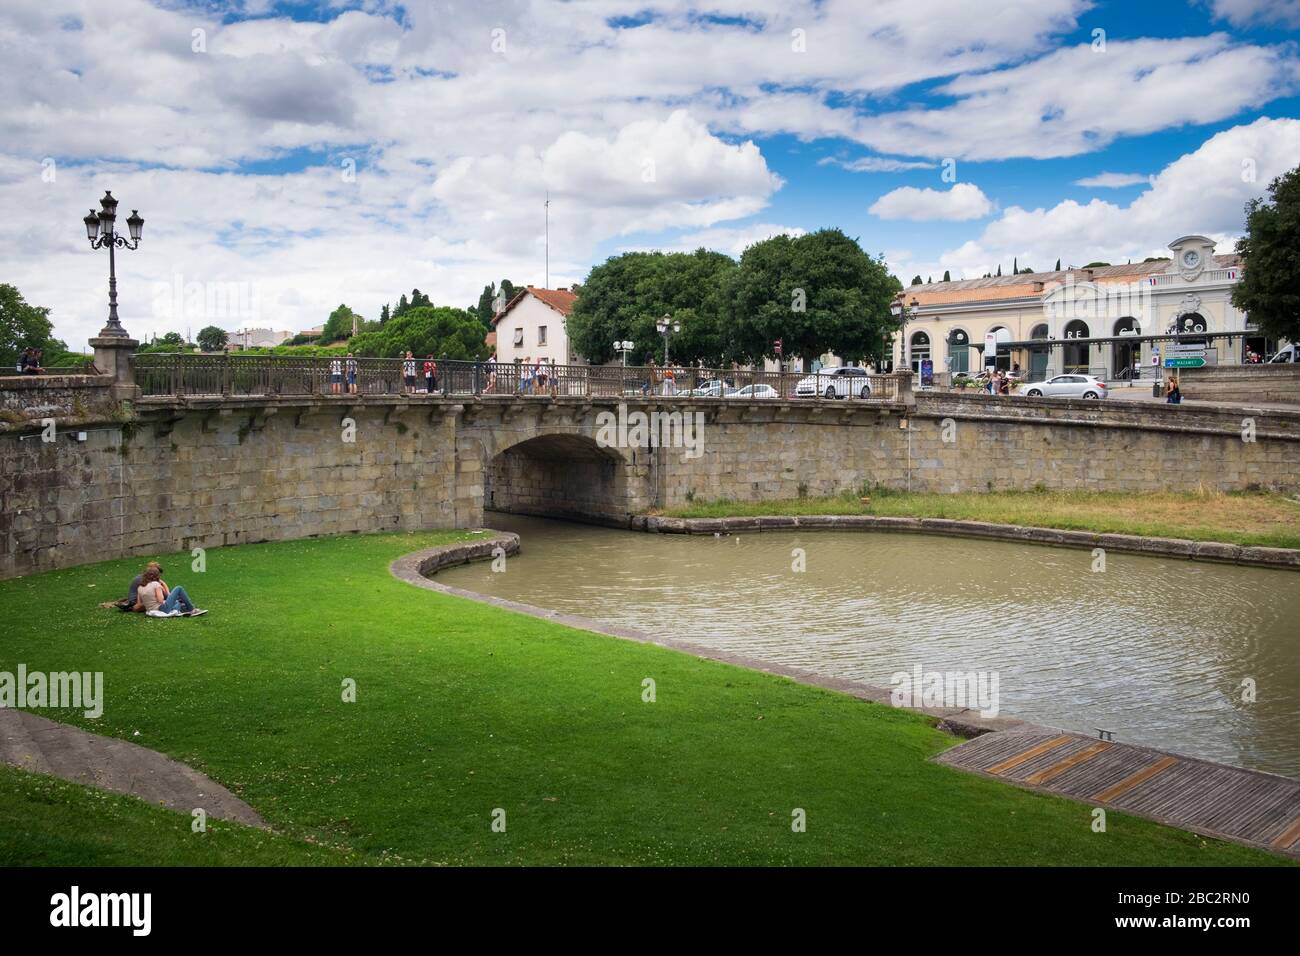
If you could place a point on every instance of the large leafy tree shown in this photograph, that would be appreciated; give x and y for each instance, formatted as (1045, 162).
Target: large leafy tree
(1269, 288)
(338, 325)
(22, 326)
(623, 296)
(212, 339)
(817, 293)
(438, 330)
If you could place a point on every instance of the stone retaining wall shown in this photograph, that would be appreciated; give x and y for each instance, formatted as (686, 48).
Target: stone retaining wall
(209, 472)
(31, 397)
(1265, 384)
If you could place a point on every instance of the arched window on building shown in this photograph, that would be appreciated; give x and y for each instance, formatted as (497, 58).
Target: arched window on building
(1126, 356)
(1076, 353)
(1039, 355)
(958, 351)
(919, 350)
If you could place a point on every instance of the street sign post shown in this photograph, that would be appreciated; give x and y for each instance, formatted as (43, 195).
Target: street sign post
(1185, 361)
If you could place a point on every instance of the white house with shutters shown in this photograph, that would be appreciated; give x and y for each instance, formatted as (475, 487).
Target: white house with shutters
(532, 326)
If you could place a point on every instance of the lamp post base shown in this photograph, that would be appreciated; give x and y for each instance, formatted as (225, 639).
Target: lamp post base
(113, 357)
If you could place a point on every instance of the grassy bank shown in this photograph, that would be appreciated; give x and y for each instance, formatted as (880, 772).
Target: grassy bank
(462, 708)
(1267, 519)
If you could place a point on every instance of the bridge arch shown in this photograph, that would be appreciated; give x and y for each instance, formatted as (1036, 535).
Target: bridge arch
(563, 474)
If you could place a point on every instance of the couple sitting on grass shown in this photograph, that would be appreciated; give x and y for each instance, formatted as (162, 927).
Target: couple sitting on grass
(150, 593)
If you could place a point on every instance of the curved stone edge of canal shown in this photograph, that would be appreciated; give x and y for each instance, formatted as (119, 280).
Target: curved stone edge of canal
(417, 568)
(1215, 551)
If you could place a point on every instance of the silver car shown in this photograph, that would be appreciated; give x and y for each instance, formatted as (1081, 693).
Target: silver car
(1066, 386)
(846, 381)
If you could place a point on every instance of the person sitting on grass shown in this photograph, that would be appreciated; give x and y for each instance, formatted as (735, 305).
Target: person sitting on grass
(133, 592)
(158, 600)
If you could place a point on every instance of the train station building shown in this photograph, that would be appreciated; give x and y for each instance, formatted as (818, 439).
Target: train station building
(1108, 321)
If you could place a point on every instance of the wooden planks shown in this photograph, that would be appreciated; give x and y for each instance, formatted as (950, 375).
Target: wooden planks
(1129, 782)
(1259, 809)
(1024, 757)
(1056, 769)
(1288, 837)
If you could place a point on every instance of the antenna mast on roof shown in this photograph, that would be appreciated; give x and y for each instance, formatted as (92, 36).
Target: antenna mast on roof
(547, 283)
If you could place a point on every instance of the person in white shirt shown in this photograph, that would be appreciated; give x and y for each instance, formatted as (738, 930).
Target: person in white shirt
(336, 375)
(408, 372)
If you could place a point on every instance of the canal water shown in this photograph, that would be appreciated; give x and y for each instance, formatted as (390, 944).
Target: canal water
(1161, 652)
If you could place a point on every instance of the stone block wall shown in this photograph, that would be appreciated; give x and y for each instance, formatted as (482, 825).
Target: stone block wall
(954, 442)
(210, 478)
(1263, 384)
(31, 397)
(213, 473)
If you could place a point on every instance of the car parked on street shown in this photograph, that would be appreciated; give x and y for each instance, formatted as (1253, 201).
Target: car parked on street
(1066, 386)
(846, 381)
(712, 388)
(754, 391)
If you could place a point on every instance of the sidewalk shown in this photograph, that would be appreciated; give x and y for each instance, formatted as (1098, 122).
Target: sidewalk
(1142, 393)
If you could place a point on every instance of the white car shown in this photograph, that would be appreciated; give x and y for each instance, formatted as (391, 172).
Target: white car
(847, 381)
(713, 388)
(754, 391)
(1066, 386)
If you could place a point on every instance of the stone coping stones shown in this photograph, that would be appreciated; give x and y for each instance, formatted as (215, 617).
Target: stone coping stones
(1281, 558)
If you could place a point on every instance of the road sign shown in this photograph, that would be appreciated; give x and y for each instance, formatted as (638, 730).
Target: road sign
(1185, 361)
(1186, 348)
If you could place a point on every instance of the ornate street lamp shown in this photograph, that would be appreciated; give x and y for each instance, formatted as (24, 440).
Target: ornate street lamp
(667, 327)
(624, 347)
(901, 312)
(101, 232)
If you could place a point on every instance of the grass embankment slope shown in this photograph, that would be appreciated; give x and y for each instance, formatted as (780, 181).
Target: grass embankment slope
(463, 708)
(1249, 518)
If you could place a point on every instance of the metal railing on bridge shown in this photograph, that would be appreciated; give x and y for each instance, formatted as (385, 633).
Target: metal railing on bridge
(215, 376)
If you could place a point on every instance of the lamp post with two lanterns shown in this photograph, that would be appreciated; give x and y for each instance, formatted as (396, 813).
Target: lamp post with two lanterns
(101, 231)
(624, 347)
(667, 327)
(113, 346)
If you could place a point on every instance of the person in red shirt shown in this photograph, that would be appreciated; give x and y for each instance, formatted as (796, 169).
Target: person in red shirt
(430, 374)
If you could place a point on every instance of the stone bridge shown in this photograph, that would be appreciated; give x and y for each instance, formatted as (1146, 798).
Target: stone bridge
(167, 473)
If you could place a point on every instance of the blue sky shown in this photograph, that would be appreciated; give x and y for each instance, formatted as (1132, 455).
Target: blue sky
(307, 154)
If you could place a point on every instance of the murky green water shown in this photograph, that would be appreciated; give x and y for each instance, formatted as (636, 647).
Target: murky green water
(1155, 650)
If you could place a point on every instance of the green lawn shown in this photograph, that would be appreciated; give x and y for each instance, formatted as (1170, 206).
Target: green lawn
(1249, 518)
(463, 708)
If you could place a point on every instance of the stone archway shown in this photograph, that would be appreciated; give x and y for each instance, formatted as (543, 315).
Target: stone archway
(563, 475)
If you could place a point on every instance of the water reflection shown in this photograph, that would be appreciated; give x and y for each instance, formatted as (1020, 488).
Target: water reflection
(1155, 650)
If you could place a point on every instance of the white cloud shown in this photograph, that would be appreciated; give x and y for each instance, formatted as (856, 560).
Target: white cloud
(1112, 180)
(875, 164)
(1243, 13)
(1077, 100)
(732, 240)
(963, 201)
(1203, 193)
(456, 143)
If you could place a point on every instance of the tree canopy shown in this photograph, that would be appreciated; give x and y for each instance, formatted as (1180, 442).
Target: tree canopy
(623, 296)
(1269, 288)
(441, 331)
(23, 326)
(212, 339)
(338, 325)
(818, 293)
(490, 297)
